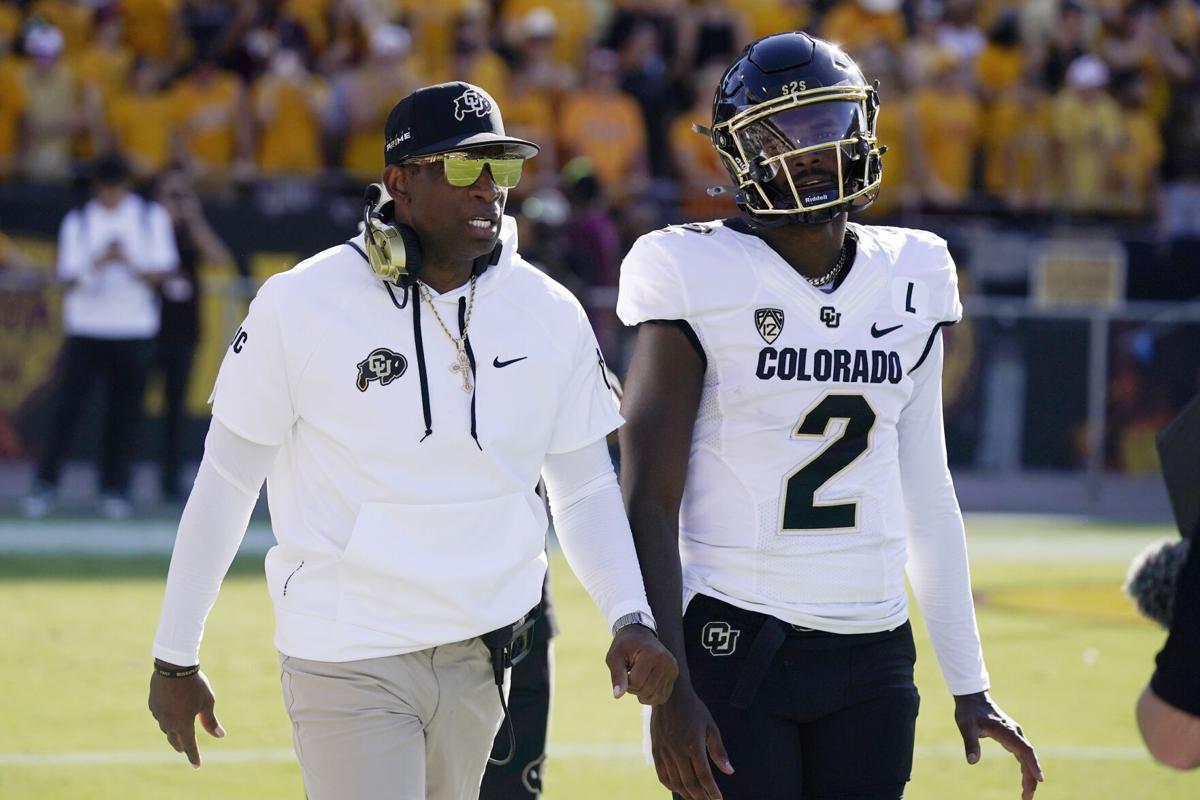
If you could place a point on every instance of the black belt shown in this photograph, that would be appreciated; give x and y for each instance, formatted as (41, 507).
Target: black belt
(770, 638)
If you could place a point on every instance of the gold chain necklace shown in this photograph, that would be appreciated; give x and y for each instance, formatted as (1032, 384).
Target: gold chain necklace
(462, 364)
(833, 273)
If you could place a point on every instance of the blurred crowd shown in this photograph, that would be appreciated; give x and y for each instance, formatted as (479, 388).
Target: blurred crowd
(1082, 110)
(1066, 106)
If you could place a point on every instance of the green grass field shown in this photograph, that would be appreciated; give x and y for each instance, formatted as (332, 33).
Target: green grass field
(1066, 653)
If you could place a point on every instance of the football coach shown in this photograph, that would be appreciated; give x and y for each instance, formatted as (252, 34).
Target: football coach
(401, 393)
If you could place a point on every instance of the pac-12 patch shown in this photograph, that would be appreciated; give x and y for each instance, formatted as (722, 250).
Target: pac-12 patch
(381, 365)
(769, 322)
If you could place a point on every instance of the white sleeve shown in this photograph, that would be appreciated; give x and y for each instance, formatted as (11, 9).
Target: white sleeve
(161, 253)
(937, 545)
(650, 285)
(73, 253)
(210, 531)
(590, 521)
(587, 410)
(253, 392)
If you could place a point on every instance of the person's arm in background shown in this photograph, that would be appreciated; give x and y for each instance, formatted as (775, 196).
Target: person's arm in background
(74, 259)
(158, 257)
(212, 246)
(662, 396)
(245, 135)
(1172, 736)
(1168, 710)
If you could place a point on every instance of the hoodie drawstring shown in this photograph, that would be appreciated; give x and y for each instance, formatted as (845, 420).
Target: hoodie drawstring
(416, 296)
(462, 324)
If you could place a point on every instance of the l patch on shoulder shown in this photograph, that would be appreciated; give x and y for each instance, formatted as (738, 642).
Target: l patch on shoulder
(381, 365)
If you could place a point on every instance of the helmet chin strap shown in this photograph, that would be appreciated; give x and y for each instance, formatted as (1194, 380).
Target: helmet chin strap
(761, 222)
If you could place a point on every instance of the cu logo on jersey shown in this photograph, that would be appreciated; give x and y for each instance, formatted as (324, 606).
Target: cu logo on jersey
(382, 365)
(769, 322)
(471, 102)
(719, 638)
(830, 317)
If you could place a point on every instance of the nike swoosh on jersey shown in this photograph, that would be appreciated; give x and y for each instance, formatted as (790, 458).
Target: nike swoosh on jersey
(877, 332)
(497, 363)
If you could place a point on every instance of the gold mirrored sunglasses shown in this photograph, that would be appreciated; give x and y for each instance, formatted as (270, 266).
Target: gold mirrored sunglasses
(463, 169)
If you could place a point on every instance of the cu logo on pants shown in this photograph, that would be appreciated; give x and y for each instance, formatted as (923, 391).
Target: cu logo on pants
(719, 638)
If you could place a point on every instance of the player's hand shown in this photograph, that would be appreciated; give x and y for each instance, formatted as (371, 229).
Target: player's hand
(640, 665)
(978, 717)
(683, 737)
(175, 702)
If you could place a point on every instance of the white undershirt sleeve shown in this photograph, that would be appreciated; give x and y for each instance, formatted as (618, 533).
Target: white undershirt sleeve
(210, 531)
(593, 530)
(937, 545)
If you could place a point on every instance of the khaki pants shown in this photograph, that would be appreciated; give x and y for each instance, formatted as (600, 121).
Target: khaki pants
(413, 727)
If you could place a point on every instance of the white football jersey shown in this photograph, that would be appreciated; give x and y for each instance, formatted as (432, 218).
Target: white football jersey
(811, 433)
(392, 540)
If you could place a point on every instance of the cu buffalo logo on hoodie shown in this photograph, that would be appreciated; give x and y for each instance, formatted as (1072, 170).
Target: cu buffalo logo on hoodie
(381, 365)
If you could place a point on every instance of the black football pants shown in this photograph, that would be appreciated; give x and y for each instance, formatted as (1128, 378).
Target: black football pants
(804, 715)
(118, 368)
(173, 358)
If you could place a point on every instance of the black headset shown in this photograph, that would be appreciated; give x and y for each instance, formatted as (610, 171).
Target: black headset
(393, 248)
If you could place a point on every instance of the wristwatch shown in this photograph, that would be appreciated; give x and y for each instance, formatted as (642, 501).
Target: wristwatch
(636, 618)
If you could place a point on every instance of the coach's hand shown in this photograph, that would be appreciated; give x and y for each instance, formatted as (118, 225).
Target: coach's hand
(640, 665)
(977, 717)
(175, 702)
(683, 737)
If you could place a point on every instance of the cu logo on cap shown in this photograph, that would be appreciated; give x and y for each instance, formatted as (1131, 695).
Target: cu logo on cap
(471, 102)
(719, 638)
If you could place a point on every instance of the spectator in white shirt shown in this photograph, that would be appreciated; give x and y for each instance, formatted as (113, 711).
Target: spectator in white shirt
(112, 252)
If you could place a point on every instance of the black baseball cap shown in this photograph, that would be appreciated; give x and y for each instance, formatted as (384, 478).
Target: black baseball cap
(445, 117)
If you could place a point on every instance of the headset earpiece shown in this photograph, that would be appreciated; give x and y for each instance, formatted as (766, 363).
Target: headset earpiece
(393, 249)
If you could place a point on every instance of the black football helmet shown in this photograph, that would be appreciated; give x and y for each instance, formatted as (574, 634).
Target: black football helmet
(794, 123)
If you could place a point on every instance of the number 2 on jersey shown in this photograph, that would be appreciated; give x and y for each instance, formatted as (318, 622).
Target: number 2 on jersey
(801, 512)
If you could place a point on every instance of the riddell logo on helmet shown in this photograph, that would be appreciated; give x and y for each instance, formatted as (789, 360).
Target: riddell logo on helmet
(821, 197)
(471, 102)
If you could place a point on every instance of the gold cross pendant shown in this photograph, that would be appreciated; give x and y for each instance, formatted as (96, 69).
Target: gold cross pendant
(463, 365)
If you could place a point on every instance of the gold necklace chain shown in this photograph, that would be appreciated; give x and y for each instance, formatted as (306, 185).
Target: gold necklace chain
(462, 364)
(833, 273)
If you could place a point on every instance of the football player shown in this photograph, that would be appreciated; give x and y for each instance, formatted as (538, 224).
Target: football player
(784, 457)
